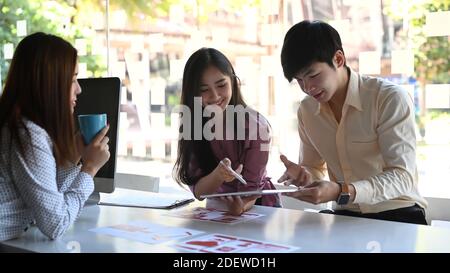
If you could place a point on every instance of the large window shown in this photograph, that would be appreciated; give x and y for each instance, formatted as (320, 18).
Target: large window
(146, 43)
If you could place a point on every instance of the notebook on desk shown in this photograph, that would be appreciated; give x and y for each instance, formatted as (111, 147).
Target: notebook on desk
(140, 199)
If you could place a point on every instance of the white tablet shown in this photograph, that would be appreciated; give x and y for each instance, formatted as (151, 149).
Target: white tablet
(248, 193)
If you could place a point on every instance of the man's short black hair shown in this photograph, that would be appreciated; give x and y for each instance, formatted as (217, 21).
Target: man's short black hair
(307, 42)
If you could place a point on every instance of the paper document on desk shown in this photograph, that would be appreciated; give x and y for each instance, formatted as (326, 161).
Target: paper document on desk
(213, 215)
(221, 243)
(146, 232)
(141, 199)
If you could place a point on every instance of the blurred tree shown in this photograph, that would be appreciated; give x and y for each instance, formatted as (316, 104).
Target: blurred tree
(430, 53)
(55, 17)
(143, 10)
(73, 19)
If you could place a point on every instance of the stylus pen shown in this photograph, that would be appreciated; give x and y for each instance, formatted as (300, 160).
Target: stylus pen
(235, 174)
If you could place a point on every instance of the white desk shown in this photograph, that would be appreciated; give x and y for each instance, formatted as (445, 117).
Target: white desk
(312, 232)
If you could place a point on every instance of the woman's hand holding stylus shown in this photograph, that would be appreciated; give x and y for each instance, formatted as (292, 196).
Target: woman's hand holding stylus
(225, 173)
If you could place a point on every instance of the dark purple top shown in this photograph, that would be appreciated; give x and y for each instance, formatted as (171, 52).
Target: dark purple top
(253, 156)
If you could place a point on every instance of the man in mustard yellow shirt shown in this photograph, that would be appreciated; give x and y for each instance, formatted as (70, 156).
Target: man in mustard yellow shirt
(357, 129)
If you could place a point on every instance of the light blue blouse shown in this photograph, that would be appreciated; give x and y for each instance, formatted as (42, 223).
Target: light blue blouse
(35, 189)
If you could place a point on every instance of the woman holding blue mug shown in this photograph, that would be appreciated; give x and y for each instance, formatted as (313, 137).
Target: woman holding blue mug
(41, 180)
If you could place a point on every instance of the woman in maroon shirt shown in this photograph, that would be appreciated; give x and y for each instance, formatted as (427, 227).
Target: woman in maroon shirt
(230, 132)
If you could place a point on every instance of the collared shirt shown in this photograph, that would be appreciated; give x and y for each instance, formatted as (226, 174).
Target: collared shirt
(252, 153)
(34, 189)
(373, 147)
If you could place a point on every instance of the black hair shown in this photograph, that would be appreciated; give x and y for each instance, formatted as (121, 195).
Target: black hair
(38, 88)
(307, 42)
(195, 66)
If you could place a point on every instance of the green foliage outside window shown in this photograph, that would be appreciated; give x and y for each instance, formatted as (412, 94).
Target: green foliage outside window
(55, 17)
(430, 53)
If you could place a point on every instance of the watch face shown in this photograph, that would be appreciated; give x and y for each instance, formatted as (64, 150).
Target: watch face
(343, 199)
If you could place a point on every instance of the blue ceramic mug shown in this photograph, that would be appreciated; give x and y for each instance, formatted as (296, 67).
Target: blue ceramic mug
(91, 125)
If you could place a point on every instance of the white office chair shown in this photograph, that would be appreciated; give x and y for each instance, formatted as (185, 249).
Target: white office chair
(437, 210)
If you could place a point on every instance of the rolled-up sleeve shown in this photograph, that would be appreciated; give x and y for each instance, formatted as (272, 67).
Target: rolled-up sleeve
(255, 161)
(397, 140)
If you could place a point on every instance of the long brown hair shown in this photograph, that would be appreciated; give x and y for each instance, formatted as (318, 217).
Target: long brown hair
(38, 88)
(195, 66)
